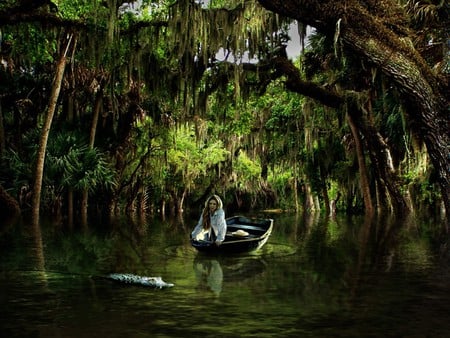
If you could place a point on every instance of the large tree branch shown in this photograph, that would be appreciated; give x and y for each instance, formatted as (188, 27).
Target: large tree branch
(273, 69)
(295, 83)
(43, 18)
(281, 66)
(386, 42)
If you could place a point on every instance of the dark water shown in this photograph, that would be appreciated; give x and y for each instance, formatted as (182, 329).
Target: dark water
(314, 278)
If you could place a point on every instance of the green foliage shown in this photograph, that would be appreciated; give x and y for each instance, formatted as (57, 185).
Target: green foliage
(92, 11)
(190, 160)
(15, 172)
(17, 166)
(204, 119)
(71, 163)
(145, 147)
(247, 171)
(38, 52)
(281, 179)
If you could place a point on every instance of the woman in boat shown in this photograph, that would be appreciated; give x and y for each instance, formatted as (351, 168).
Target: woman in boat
(211, 226)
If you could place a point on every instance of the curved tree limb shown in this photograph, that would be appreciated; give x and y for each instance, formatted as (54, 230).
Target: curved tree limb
(386, 42)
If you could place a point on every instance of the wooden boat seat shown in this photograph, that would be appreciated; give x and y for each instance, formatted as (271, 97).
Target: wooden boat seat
(246, 227)
(230, 235)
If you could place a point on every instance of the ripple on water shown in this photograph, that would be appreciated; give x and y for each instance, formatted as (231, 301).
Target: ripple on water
(180, 251)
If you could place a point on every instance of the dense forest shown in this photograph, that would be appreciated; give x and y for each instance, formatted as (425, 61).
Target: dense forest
(150, 106)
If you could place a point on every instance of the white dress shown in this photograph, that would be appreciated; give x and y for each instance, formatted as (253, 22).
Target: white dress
(216, 232)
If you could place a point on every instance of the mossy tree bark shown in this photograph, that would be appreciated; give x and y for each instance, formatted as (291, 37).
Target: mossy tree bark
(378, 32)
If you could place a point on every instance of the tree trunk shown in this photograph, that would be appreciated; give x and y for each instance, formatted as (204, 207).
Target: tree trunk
(295, 188)
(309, 205)
(386, 41)
(97, 109)
(363, 175)
(2, 133)
(163, 208)
(181, 202)
(85, 193)
(380, 158)
(40, 159)
(84, 208)
(9, 207)
(143, 207)
(70, 208)
(333, 205)
(325, 196)
(112, 207)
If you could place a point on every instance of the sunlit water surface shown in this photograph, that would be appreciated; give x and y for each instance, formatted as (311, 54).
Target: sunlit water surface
(340, 278)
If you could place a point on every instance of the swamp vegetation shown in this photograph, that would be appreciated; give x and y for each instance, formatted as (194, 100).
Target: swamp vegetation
(149, 106)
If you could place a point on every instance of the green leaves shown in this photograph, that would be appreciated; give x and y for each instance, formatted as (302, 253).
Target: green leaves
(70, 163)
(191, 159)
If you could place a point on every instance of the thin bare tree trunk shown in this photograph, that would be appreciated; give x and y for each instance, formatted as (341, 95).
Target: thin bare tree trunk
(163, 208)
(70, 207)
(97, 109)
(84, 207)
(85, 193)
(326, 197)
(2, 133)
(181, 202)
(309, 199)
(40, 160)
(297, 207)
(363, 176)
(8, 205)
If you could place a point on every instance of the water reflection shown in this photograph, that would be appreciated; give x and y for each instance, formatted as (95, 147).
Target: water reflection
(209, 275)
(336, 277)
(212, 272)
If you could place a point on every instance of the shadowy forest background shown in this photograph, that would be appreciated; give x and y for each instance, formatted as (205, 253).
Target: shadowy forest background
(149, 106)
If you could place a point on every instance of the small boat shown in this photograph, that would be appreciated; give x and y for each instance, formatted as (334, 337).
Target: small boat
(243, 235)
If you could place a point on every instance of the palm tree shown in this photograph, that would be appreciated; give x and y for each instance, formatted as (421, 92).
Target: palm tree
(40, 160)
(74, 166)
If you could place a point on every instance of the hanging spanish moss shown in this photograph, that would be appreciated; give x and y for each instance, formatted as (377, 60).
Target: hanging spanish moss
(200, 37)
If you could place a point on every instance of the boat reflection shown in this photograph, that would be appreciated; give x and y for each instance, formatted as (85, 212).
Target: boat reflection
(212, 272)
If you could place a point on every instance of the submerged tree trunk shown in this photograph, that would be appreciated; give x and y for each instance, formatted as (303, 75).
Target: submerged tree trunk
(40, 159)
(381, 160)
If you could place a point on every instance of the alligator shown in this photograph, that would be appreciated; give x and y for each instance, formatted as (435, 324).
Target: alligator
(129, 278)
